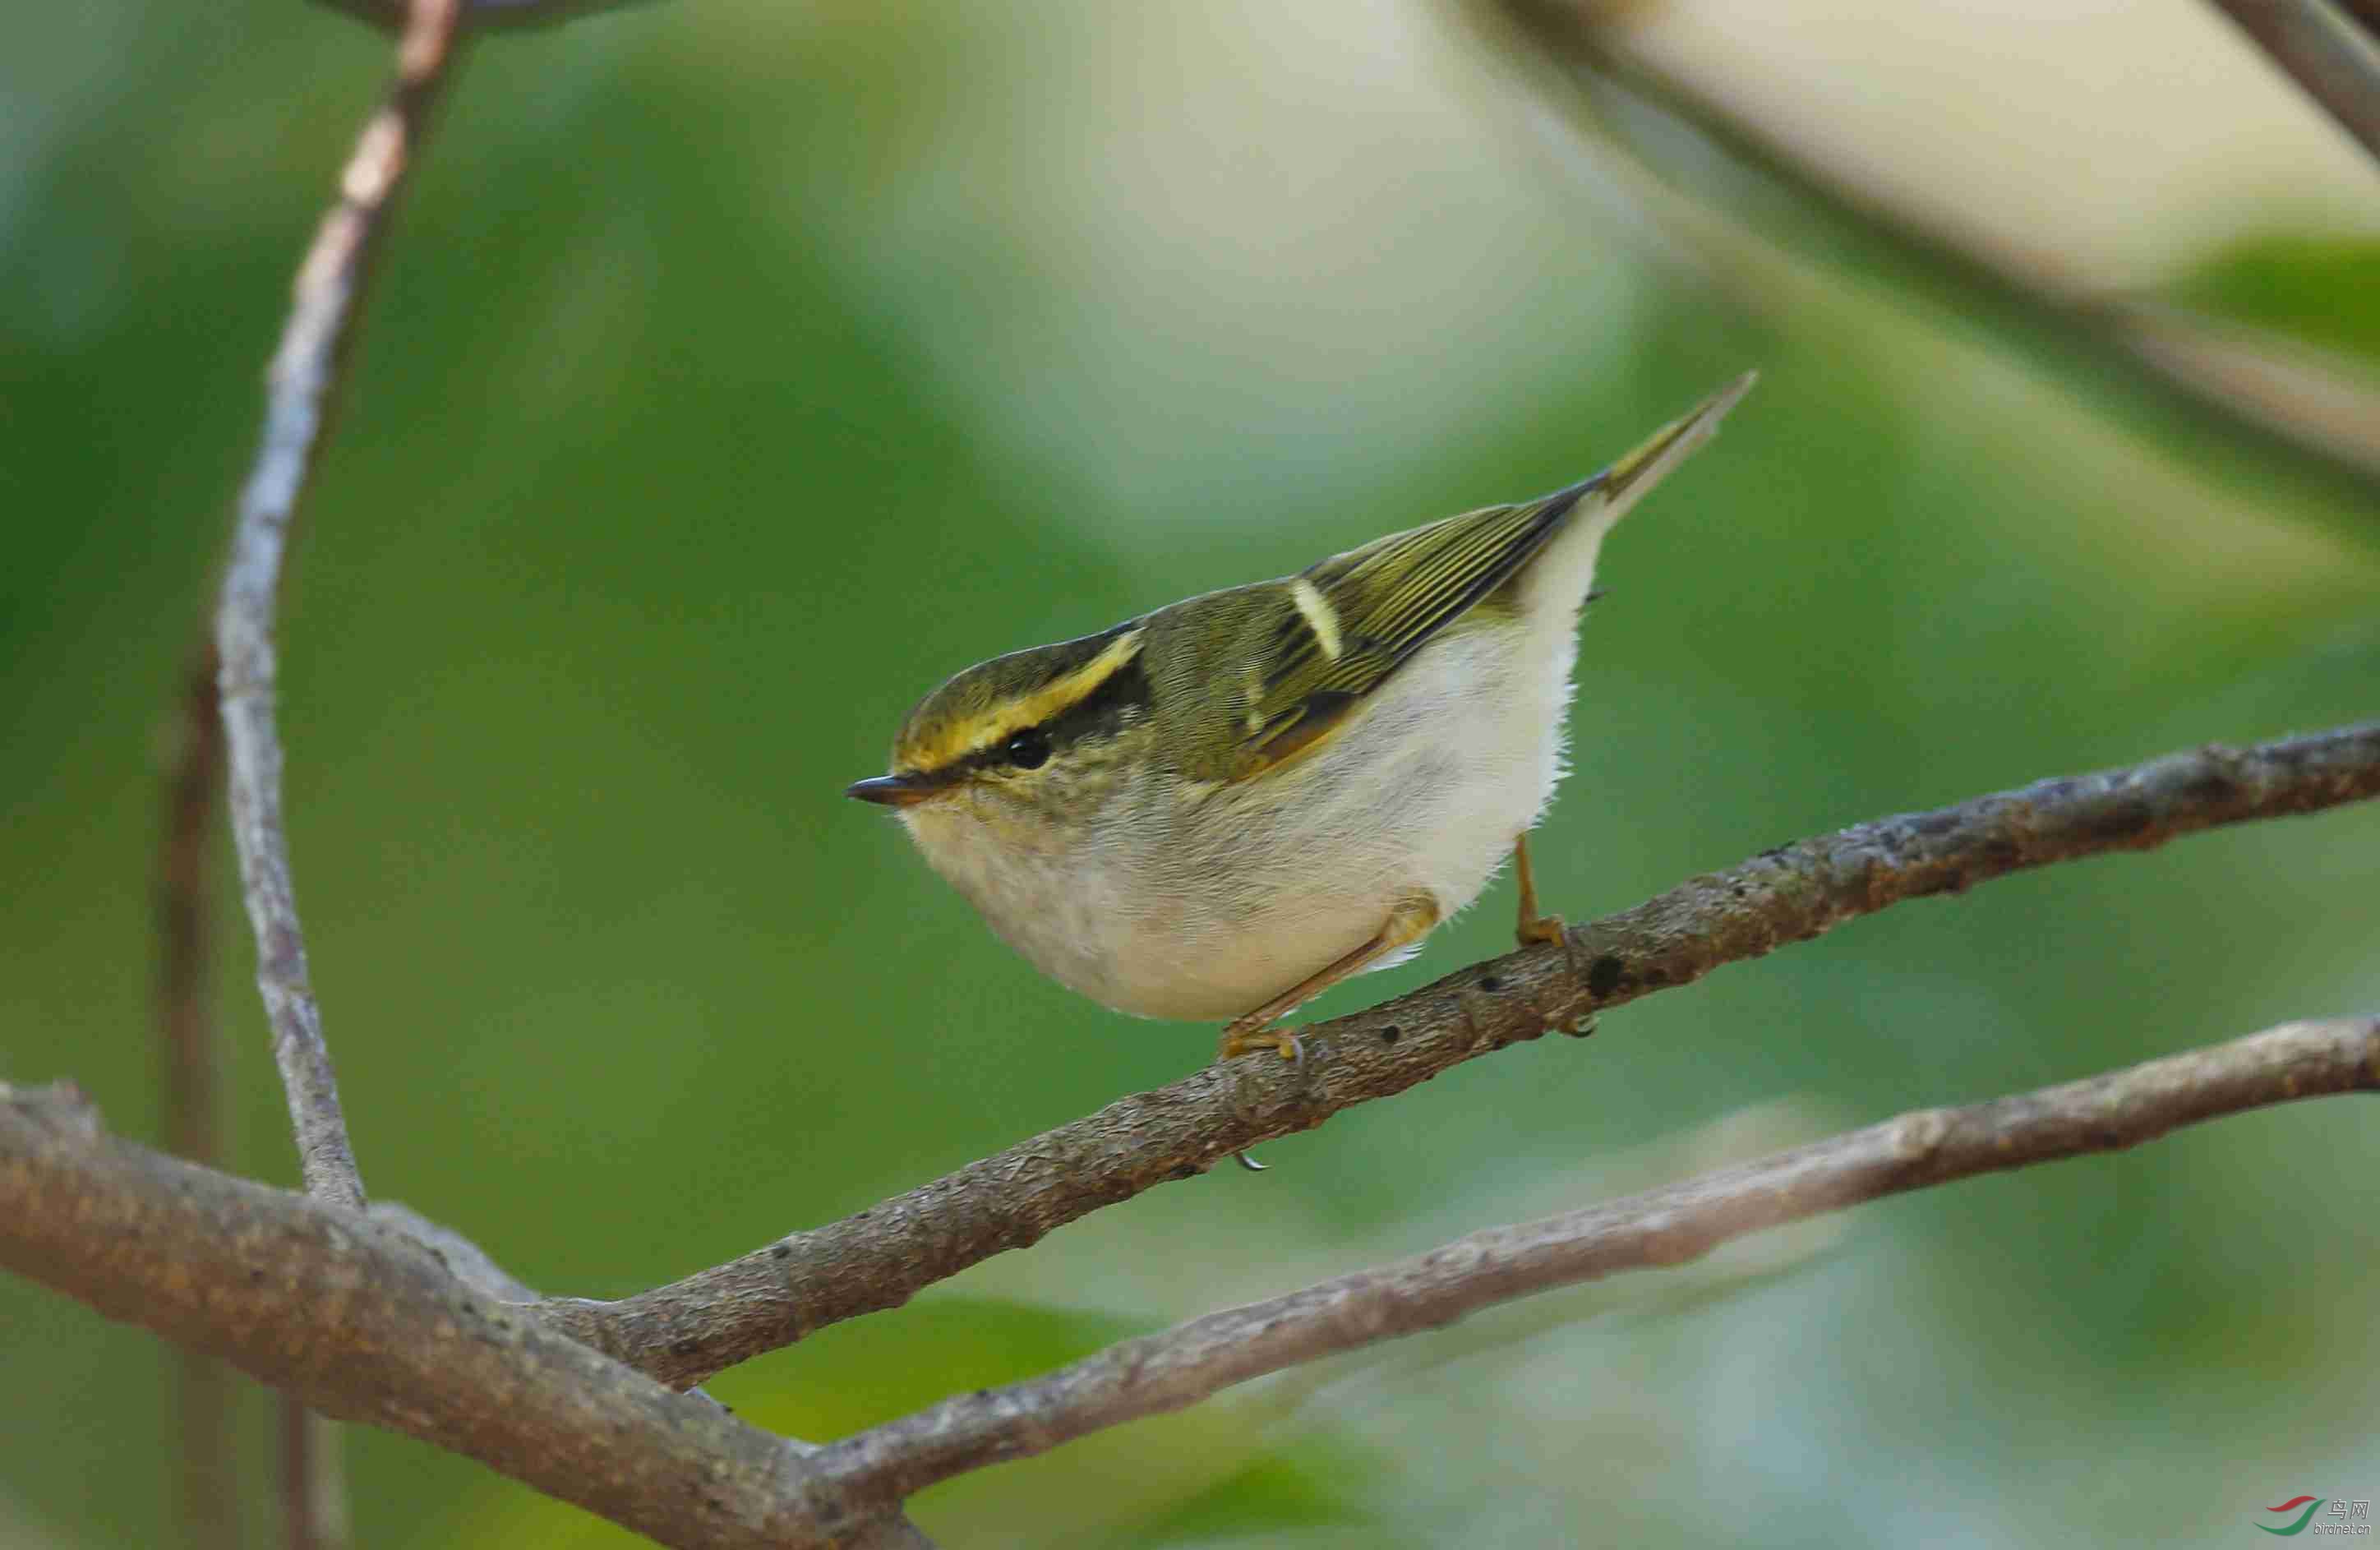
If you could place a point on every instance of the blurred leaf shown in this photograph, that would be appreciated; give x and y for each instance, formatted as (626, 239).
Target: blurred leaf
(2324, 290)
(873, 1370)
(1316, 1484)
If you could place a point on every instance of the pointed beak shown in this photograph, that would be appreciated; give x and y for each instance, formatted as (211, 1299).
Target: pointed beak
(891, 791)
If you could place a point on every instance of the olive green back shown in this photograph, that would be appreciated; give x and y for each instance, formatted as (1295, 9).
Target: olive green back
(1277, 667)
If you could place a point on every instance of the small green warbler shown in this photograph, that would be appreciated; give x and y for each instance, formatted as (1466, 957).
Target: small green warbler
(1219, 809)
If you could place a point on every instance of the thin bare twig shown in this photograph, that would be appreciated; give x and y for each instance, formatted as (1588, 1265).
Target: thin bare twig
(1660, 1227)
(684, 1332)
(206, 1488)
(299, 384)
(304, 371)
(2009, 280)
(188, 1033)
(2331, 62)
(304, 368)
(313, 1479)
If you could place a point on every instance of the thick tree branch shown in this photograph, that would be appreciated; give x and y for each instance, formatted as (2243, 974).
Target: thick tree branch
(2331, 62)
(684, 1332)
(363, 1322)
(1660, 1227)
(480, 1271)
(297, 386)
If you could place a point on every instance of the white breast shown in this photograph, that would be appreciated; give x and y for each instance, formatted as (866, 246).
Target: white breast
(1453, 758)
(1205, 909)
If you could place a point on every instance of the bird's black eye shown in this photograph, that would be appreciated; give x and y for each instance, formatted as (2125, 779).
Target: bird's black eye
(1028, 749)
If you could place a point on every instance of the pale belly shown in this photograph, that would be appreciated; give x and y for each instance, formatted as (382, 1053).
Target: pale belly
(1213, 906)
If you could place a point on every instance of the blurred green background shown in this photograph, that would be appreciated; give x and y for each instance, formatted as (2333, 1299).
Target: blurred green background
(740, 369)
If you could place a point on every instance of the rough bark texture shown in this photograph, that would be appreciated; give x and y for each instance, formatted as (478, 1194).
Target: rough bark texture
(362, 1321)
(364, 1324)
(684, 1332)
(1662, 1227)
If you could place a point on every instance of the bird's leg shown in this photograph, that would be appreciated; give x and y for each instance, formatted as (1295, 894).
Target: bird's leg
(1533, 928)
(1407, 923)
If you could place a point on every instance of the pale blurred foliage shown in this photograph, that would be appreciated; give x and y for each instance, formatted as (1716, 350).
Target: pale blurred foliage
(2102, 143)
(1245, 244)
(1253, 242)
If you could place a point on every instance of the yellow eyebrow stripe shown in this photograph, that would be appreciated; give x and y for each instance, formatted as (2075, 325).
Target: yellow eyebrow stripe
(1047, 703)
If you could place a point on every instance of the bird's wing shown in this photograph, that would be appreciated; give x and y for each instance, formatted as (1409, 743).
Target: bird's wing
(1326, 638)
(1340, 629)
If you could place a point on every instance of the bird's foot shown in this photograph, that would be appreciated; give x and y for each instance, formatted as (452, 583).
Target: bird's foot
(1540, 929)
(1239, 1040)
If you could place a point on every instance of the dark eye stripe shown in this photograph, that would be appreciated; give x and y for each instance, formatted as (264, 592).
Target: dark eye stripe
(1105, 709)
